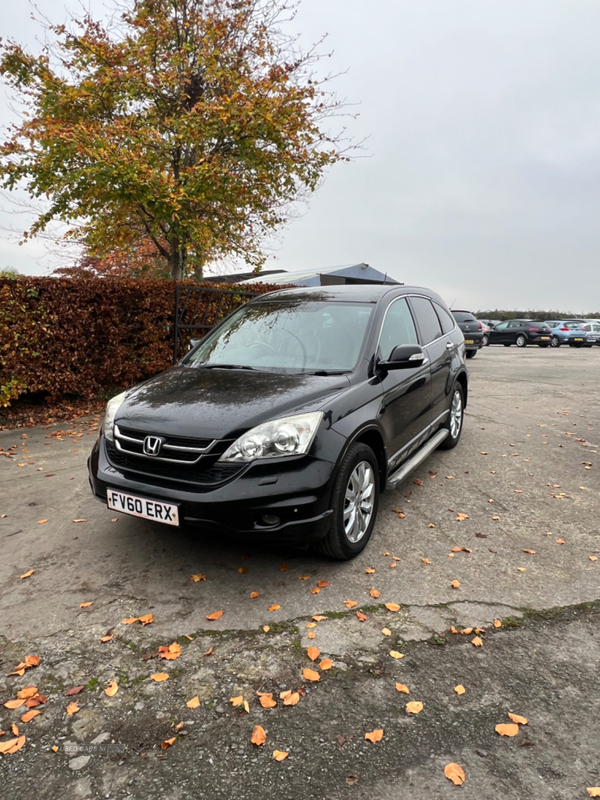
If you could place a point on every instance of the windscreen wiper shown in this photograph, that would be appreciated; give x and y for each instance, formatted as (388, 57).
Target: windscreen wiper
(207, 365)
(328, 372)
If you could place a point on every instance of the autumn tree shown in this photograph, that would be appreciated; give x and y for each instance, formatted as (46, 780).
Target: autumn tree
(190, 125)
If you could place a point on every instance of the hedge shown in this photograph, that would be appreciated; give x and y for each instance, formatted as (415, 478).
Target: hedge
(82, 336)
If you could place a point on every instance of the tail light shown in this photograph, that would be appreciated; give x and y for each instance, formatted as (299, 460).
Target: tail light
(563, 329)
(480, 325)
(534, 329)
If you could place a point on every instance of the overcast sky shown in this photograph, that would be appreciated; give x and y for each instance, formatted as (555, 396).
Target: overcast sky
(482, 179)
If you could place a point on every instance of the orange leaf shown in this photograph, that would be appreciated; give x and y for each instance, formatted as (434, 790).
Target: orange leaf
(171, 652)
(350, 603)
(311, 634)
(242, 570)
(198, 577)
(258, 736)
(426, 561)
(516, 718)
(455, 773)
(107, 638)
(254, 595)
(315, 590)
(14, 729)
(27, 692)
(497, 623)
(593, 558)
(375, 593)
(266, 628)
(369, 570)
(42, 521)
(414, 707)
(594, 791)
(54, 748)
(279, 755)
(159, 677)
(12, 745)
(236, 701)
(72, 708)
(396, 654)
(460, 689)
(531, 552)
(560, 541)
(167, 743)
(266, 701)
(375, 736)
(111, 689)
(274, 607)
(311, 624)
(12, 704)
(362, 617)
(27, 574)
(326, 663)
(400, 687)
(30, 715)
(507, 729)
(386, 631)
(476, 641)
(146, 619)
(392, 606)
(209, 651)
(319, 618)
(313, 653)
(303, 577)
(322, 584)
(194, 702)
(291, 698)
(87, 604)
(310, 675)
(455, 584)
(214, 615)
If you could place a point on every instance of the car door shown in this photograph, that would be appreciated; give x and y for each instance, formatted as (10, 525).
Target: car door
(515, 327)
(406, 395)
(440, 349)
(499, 334)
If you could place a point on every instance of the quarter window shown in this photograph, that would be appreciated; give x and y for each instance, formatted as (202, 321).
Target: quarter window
(446, 320)
(429, 324)
(398, 328)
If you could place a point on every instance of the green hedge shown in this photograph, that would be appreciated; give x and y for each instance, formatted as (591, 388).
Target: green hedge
(81, 336)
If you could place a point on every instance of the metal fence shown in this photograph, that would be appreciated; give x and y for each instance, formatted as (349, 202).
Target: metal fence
(197, 310)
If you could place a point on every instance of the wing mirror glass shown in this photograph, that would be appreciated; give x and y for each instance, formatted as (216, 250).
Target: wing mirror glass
(405, 356)
(193, 343)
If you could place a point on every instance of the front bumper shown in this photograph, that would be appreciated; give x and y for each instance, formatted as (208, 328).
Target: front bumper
(297, 491)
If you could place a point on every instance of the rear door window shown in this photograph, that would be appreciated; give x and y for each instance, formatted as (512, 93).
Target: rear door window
(427, 319)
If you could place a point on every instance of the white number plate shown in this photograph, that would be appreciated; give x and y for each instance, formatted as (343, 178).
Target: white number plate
(142, 507)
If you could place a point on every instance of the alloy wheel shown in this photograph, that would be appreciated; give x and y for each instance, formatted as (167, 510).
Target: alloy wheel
(456, 411)
(521, 340)
(358, 501)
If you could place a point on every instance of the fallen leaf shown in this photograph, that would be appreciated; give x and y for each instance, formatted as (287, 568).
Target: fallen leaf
(477, 641)
(369, 570)
(29, 715)
(375, 593)
(313, 653)
(326, 664)
(311, 634)
(254, 595)
(178, 727)
(171, 652)
(274, 607)
(159, 677)
(594, 791)
(455, 773)
(87, 604)
(79, 520)
(26, 692)
(242, 570)
(266, 628)
(322, 584)
(497, 623)
(375, 736)
(74, 690)
(194, 702)
(107, 638)
(519, 720)
(27, 574)
(426, 561)
(111, 689)
(392, 606)
(396, 654)
(303, 577)
(593, 558)
(431, 525)
(400, 687)
(72, 708)
(279, 755)
(12, 745)
(393, 565)
(315, 590)
(350, 603)
(419, 482)
(42, 521)
(507, 729)
(396, 558)
(283, 568)
(362, 617)
(258, 736)
(167, 743)
(266, 701)
(461, 517)
(209, 652)
(521, 569)
(455, 584)
(54, 748)
(12, 704)
(460, 689)
(386, 631)
(466, 631)
(414, 707)
(495, 518)
(351, 777)
(214, 615)
(198, 577)
(531, 552)
(461, 550)
(291, 698)
(310, 675)
(560, 541)
(14, 728)
(319, 618)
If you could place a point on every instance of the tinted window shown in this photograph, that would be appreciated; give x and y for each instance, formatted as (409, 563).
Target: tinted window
(515, 323)
(501, 326)
(398, 328)
(445, 318)
(427, 319)
(463, 316)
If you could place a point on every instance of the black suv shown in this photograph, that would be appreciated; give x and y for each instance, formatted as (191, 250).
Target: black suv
(472, 330)
(521, 332)
(287, 420)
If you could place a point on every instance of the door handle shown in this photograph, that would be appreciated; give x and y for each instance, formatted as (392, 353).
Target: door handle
(449, 345)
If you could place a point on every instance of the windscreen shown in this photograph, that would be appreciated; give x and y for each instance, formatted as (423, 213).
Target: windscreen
(463, 316)
(304, 336)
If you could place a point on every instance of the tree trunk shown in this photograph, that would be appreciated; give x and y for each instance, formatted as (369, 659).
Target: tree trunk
(177, 261)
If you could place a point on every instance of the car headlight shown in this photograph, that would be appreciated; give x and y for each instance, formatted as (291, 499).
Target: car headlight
(109, 418)
(288, 436)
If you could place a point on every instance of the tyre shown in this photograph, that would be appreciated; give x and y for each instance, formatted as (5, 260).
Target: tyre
(355, 500)
(455, 423)
(485, 340)
(555, 341)
(471, 353)
(507, 345)
(521, 341)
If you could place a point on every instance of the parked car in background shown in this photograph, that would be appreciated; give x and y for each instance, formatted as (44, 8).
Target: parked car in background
(288, 419)
(592, 328)
(485, 329)
(521, 332)
(471, 329)
(569, 331)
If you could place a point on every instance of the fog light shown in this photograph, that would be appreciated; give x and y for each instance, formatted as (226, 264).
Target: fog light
(270, 519)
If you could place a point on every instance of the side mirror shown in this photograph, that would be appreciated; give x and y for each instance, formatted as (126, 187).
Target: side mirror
(193, 343)
(405, 356)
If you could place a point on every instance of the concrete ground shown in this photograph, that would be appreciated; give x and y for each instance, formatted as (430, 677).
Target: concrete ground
(526, 476)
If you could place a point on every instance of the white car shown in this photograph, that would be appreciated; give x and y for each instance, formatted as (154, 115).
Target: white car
(592, 328)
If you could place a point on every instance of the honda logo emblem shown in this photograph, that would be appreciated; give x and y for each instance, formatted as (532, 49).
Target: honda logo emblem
(152, 445)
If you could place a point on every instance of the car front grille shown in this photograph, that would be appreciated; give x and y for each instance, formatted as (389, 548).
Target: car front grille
(175, 449)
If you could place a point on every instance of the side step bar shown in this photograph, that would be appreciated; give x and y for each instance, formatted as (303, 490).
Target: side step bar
(402, 472)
